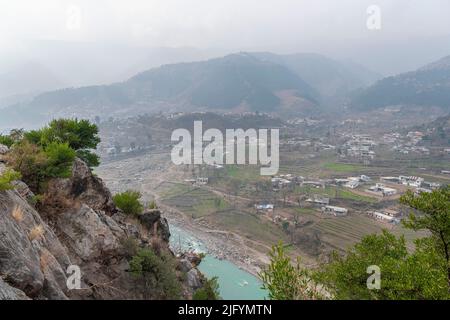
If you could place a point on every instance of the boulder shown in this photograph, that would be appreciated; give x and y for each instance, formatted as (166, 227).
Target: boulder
(9, 293)
(3, 149)
(20, 248)
(83, 187)
(194, 279)
(185, 265)
(153, 221)
(89, 234)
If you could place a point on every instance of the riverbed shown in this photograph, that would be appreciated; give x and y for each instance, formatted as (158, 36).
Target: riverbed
(234, 283)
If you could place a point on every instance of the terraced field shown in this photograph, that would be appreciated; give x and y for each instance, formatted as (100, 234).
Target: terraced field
(195, 202)
(249, 225)
(342, 232)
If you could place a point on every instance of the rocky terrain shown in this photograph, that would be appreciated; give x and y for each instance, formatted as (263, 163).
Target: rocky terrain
(75, 223)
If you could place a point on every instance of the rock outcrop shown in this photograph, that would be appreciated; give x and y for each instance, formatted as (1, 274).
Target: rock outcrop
(75, 224)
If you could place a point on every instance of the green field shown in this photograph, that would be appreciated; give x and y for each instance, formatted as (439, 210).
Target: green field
(249, 225)
(343, 167)
(335, 193)
(195, 202)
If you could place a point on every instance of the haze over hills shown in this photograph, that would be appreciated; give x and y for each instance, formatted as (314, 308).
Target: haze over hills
(331, 78)
(237, 82)
(427, 86)
(46, 65)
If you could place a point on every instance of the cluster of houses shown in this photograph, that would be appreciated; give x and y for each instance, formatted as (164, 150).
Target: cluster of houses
(412, 181)
(360, 147)
(285, 180)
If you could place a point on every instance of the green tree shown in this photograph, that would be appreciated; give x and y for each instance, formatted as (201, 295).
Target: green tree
(128, 202)
(156, 274)
(60, 159)
(80, 135)
(209, 291)
(434, 216)
(6, 178)
(285, 281)
(402, 275)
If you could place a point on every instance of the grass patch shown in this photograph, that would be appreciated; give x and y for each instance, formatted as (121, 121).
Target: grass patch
(249, 225)
(342, 167)
(196, 202)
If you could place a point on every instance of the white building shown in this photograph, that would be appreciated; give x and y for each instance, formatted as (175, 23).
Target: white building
(384, 217)
(335, 211)
(383, 190)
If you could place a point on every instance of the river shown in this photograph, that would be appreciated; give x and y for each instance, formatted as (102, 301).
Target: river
(234, 283)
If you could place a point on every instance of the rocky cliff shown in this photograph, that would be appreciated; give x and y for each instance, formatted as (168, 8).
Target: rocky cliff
(75, 224)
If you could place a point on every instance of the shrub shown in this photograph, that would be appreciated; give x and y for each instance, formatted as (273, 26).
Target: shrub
(80, 135)
(38, 165)
(156, 274)
(60, 160)
(152, 205)
(6, 178)
(128, 202)
(6, 140)
(286, 281)
(17, 214)
(130, 247)
(36, 233)
(209, 291)
(30, 160)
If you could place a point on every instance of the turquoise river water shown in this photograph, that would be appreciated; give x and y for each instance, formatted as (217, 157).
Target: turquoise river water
(234, 283)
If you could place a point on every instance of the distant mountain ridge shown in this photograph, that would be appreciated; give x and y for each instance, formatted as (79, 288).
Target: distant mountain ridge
(427, 86)
(237, 82)
(329, 77)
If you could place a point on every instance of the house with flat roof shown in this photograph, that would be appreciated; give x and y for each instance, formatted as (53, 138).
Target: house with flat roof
(335, 211)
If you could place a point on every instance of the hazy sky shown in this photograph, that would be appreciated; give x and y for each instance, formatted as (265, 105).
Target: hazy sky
(224, 23)
(325, 26)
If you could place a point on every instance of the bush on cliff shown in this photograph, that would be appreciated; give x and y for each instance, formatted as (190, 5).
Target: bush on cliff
(6, 140)
(37, 165)
(80, 135)
(6, 178)
(209, 291)
(156, 273)
(129, 203)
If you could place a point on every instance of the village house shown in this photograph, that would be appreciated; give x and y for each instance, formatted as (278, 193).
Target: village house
(411, 181)
(389, 216)
(318, 200)
(335, 211)
(201, 181)
(383, 190)
(265, 207)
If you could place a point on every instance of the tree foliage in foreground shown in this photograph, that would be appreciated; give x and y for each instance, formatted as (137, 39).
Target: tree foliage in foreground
(434, 216)
(285, 281)
(80, 135)
(156, 274)
(421, 274)
(40, 155)
(209, 291)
